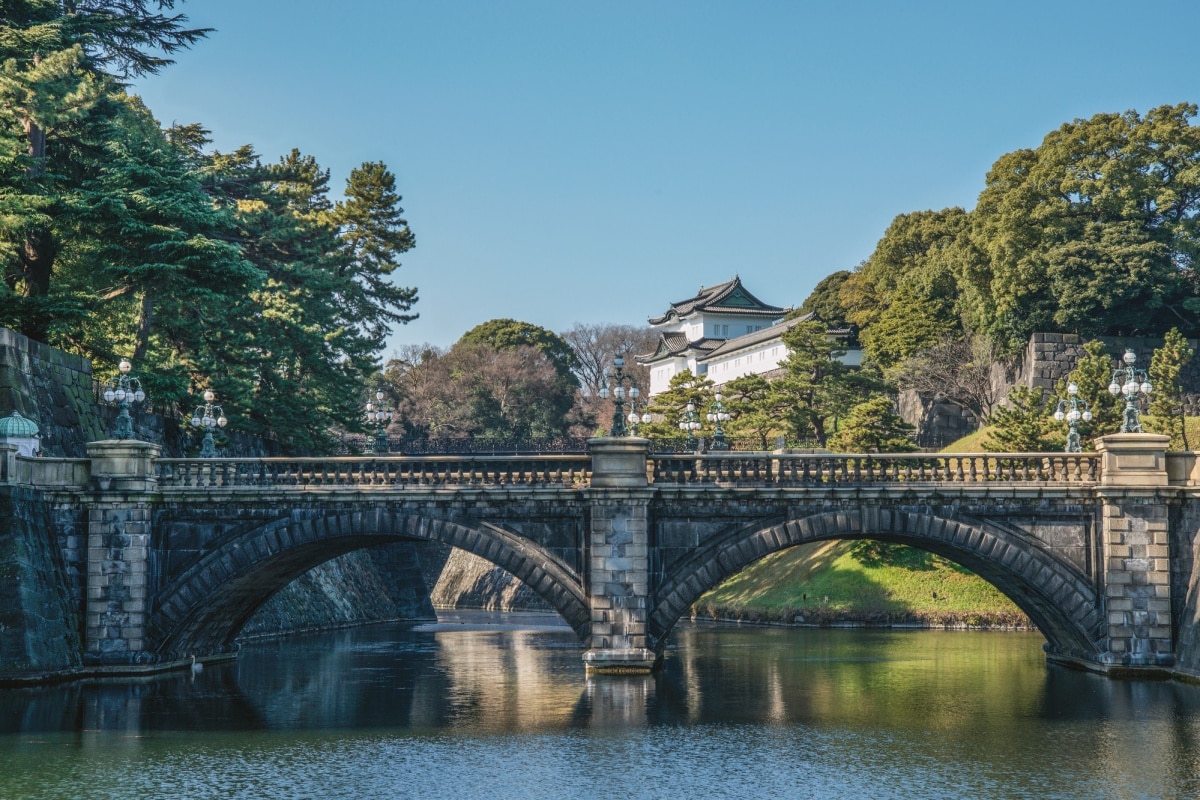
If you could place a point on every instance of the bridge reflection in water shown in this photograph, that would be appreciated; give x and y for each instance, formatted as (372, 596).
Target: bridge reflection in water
(504, 709)
(179, 553)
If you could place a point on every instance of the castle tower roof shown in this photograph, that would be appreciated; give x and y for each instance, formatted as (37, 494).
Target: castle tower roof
(730, 297)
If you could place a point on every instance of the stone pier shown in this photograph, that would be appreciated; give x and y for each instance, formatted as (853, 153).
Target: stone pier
(618, 563)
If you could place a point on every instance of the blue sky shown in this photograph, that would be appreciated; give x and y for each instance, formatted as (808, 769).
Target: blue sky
(569, 161)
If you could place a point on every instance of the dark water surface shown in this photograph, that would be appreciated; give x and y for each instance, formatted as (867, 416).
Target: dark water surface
(498, 707)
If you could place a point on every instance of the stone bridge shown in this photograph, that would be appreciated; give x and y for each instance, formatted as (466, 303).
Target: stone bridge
(168, 558)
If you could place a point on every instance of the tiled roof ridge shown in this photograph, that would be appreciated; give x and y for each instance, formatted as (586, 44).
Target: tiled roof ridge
(712, 296)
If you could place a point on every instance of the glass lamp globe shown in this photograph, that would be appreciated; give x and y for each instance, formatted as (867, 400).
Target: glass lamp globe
(1073, 415)
(619, 392)
(1059, 415)
(139, 396)
(125, 366)
(1114, 388)
(618, 362)
(1130, 387)
(1146, 387)
(633, 417)
(209, 396)
(1130, 357)
(195, 422)
(646, 419)
(634, 392)
(1072, 388)
(109, 395)
(1087, 416)
(119, 394)
(603, 393)
(222, 421)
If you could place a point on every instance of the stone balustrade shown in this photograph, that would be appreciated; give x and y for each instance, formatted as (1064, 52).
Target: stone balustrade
(358, 472)
(739, 469)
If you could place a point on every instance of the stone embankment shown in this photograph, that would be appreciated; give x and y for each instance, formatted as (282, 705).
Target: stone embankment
(41, 607)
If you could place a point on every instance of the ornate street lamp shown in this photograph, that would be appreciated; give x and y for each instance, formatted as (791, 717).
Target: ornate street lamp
(1131, 382)
(635, 419)
(380, 414)
(209, 417)
(689, 423)
(1069, 410)
(124, 390)
(718, 415)
(618, 392)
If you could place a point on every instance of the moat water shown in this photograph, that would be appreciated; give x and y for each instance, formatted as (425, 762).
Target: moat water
(494, 707)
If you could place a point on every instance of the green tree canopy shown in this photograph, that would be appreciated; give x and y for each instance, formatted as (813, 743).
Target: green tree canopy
(1094, 231)
(904, 297)
(1023, 424)
(505, 334)
(872, 426)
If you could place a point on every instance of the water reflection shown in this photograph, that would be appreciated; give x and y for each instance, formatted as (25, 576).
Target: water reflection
(926, 714)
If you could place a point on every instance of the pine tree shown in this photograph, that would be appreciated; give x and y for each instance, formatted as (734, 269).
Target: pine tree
(1166, 402)
(873, 427)
(1092, 374)
(58, 60)
(373, 235)
(669, 407)
(817, 388)
(1022, 424)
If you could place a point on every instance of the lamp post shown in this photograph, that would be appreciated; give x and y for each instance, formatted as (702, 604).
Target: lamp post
(689, 423)
(124, 390)
(635, 419)
(1069, 410)
(210, 417)
(1131, 382)
(618, 392)
(718, 415)
(380, 414)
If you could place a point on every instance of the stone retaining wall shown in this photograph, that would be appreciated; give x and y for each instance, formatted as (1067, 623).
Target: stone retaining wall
(1048, 358)
(39, 624)
(56, 390)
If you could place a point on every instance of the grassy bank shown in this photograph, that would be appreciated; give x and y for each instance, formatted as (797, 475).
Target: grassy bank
(863, 582)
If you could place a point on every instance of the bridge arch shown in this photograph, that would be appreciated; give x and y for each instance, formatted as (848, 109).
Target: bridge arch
(1061, 601)
(203, 611)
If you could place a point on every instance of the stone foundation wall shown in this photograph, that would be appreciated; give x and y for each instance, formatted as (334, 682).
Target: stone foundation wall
(1047, 359)
(56, 390)
(39, 623)
(1185, 586)
(372, 585)
(468, 581)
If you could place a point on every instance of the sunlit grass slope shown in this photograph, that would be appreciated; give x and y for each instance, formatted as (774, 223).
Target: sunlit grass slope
(866, 582)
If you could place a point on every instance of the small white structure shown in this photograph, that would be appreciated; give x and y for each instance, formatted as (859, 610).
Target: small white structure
(16, 429)
(724, 332)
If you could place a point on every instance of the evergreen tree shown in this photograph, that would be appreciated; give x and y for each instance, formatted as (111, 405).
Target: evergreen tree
(1092, 374)
(669, 407)
(373, 235)
(873, 427)
(1023, 424)
(1166, 403)
(58, 59)
(745, 399)
(817, 388)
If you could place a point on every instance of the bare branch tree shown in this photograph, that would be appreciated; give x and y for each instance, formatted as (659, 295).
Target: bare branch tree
(958, 371)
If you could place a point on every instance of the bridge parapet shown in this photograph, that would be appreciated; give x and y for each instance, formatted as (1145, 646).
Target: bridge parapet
(806, 470)
(65, 474)
(381, 472)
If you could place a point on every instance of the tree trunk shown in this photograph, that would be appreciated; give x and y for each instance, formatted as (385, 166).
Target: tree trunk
(38, 253)
(145, 322)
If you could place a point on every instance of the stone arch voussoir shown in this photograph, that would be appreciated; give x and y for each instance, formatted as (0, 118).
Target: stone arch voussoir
(1060, 600)
(203, 611)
